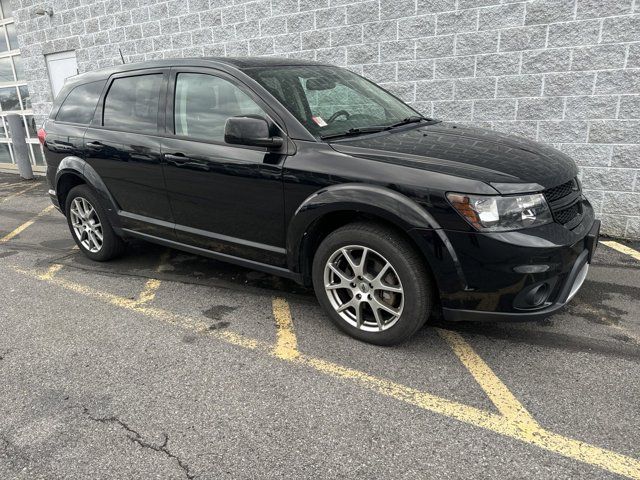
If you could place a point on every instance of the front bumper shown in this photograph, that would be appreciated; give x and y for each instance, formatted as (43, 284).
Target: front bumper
(571, 286)
(516, 276)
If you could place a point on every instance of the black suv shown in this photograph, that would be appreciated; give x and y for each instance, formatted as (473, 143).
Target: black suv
(314, 173)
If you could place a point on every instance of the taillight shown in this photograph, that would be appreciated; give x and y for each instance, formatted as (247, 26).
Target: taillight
(42, 135)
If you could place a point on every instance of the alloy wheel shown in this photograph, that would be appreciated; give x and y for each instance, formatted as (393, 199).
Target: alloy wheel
(86, 224)
(364, 288)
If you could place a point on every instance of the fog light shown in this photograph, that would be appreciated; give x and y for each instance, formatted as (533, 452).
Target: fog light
(531, 268)
(537, 295)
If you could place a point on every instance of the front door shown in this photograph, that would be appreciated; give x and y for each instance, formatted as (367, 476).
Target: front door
(123, 146)
(225, 198)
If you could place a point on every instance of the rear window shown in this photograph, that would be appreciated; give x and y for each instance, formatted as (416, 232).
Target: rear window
(80, 104)
(132, 103)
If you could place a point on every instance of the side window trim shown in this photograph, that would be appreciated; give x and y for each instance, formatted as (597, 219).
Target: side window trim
(98, 117)
(169, 130)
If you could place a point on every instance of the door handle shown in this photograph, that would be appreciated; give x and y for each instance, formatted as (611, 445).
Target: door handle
(177, 158)
(181, 160)
(94, 145)
(61, 146)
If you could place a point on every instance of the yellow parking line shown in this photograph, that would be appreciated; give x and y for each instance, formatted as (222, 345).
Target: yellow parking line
(53, 270)
(149, 291)
(515, 421)
(534, 435)
(153, 284)
(530, 433)
(164, 261)
(498, 393)
(19, 192)
(622, 248)
(286, 343)
(157, 313)
(25, 225)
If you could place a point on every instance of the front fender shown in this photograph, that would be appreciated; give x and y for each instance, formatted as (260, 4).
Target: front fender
(379, 202)
(78, 167)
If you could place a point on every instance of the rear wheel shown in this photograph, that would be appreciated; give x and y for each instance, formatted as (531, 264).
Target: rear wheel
(372, 283)
(90, 226)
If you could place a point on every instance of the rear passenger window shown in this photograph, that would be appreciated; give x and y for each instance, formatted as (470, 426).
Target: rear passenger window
(132, 103)
(80, 103)
(204, 102)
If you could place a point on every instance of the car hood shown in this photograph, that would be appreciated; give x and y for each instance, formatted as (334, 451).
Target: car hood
(510, 164)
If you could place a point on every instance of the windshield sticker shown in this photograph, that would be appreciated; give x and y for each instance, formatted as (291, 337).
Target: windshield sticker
(319, 121)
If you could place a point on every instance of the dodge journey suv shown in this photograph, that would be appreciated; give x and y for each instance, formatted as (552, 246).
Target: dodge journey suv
(311, 172)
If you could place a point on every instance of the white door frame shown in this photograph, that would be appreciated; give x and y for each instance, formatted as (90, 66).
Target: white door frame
(60, 66)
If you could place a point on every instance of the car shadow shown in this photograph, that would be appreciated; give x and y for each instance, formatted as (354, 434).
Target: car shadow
(143, 259)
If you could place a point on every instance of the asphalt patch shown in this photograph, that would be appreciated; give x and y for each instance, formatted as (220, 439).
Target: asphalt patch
(596, 294)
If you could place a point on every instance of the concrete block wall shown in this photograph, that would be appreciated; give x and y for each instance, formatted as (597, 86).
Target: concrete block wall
(564, 72)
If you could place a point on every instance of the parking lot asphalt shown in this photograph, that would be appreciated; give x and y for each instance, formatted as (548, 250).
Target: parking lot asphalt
(162, 364)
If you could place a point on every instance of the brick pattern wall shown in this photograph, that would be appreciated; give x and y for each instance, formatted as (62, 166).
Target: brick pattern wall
(564, 72)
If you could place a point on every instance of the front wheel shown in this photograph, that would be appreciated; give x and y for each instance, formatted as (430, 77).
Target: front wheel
(90, 226)
(373, 283)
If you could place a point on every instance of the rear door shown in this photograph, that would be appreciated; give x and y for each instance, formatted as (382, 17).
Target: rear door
(225, 198)
(123, 147)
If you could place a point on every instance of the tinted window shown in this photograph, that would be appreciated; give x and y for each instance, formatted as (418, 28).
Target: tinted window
(204, 102)
(132, 103)
(80, 104)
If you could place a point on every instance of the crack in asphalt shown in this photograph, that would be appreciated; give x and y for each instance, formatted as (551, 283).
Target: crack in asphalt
(136, 438)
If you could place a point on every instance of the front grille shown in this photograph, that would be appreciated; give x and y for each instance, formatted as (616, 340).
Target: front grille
(565, 215)
(556, 193)
(564, 201)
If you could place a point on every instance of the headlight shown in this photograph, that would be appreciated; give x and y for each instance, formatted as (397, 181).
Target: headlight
(497, 214)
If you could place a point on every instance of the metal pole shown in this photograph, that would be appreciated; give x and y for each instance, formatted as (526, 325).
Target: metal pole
(20, 148)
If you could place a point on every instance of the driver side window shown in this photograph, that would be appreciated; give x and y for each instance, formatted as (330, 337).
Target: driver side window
(204, 102)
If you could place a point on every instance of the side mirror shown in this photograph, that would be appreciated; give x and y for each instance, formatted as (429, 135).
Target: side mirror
(253, 131)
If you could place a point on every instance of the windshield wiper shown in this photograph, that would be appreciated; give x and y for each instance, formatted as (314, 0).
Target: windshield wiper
(353, 132)
(376, 128)
(406, 121)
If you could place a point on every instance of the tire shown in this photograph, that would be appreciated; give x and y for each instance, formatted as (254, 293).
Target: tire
(82, 200)
(387, 317)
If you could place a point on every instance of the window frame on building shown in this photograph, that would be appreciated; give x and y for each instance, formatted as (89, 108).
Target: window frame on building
(36, 154)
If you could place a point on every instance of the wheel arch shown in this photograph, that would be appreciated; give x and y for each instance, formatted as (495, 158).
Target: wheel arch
(73, 171)
(333, 207)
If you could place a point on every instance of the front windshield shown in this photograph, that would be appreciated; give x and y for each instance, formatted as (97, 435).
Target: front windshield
(331, 100)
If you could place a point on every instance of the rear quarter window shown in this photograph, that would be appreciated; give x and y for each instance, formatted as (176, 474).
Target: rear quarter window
(80, 104)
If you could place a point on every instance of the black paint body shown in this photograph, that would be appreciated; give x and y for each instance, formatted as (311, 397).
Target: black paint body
(268, 209)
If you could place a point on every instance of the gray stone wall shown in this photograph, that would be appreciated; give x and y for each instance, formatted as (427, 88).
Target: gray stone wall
(564, 72)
